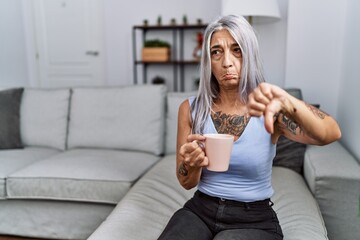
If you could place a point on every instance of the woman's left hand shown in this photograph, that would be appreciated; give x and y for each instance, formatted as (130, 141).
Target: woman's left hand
(269, 100)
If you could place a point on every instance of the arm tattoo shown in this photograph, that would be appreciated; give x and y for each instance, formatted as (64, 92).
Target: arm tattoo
(290, 124)
(229, 124)
(182, 169)
(316, 111)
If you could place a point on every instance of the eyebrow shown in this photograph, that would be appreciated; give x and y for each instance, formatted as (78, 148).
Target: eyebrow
(219, 46)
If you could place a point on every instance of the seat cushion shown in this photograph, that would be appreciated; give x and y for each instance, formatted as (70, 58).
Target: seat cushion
(14, 159)
(126, 118)
(44, 117)
(90, 175)
(298, 212)
(43, 219)
(150, 203)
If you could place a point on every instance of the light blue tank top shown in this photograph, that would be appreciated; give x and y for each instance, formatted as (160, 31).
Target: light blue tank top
(249, 176)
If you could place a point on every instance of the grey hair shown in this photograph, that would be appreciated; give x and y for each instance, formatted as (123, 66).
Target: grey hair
(251, 67)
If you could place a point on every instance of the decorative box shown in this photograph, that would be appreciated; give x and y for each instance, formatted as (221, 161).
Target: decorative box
(155, 54)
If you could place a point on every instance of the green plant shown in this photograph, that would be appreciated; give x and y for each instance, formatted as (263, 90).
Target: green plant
(159, 20)
(156, 43)
(185, 20)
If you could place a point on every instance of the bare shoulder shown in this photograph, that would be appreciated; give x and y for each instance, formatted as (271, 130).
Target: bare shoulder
(185, 104)
(184, 108)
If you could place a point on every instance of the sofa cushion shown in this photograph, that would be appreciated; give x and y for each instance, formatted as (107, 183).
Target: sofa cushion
(173, 101)
(150, 203)
(127, 118)
(90, 175)
(15, 159)
(155, 197)
(333, 176)
(44, 219)
(10, 100)
(298, 212)
(44, 116)
(290, 154)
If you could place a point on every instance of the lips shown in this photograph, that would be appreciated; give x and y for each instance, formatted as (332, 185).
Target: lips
(229, 76)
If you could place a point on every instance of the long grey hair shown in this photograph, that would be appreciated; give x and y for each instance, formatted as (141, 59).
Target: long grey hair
(251, 68)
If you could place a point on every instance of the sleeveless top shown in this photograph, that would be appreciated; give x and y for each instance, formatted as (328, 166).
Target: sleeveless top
(248, 178)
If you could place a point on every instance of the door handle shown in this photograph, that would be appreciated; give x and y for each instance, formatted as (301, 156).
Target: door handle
(92, 53)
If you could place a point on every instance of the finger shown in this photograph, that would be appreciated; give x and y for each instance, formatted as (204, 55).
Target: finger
(255, 113)
(270, 115)
(266, 90)
(260, 97)
(269, 122)
(197, 157)
(201, 144)
(255, 108)
(193, 137)
(186, 151)
(198, 160)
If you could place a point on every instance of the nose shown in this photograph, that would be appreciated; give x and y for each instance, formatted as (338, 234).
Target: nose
(227, 62)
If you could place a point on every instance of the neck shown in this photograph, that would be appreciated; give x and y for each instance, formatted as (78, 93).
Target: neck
(229, 102)
(230, 98)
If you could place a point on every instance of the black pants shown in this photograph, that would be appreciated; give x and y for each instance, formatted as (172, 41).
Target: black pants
(204, 218)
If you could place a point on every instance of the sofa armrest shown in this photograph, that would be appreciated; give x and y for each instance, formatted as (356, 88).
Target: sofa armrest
(333, 175)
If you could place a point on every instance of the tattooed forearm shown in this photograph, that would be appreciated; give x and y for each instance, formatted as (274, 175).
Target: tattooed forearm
(183, 170)
(317, 112)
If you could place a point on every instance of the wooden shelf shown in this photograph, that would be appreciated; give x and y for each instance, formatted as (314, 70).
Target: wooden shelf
(178, 63)
(170, 27)
(169, 62)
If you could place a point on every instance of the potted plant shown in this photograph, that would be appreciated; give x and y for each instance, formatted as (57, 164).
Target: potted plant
(156, 51)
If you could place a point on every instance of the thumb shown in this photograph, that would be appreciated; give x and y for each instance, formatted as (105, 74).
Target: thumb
(270, 115)
(269, 121)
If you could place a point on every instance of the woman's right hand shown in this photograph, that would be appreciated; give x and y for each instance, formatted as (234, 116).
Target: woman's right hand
(193, 152)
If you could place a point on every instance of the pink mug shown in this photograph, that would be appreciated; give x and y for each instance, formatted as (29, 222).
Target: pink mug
(218, 149)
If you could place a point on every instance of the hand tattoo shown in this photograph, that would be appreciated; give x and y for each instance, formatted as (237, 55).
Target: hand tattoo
(290, 124)
(182, 170)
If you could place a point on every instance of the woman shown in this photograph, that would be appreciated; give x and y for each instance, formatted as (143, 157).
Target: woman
(234, 99)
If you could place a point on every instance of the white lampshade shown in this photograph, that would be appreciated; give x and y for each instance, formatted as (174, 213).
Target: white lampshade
(260, 10)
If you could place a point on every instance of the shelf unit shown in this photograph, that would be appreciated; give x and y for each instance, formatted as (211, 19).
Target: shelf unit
(177, 46)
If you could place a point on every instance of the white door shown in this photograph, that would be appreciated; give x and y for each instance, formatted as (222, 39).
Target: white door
(69, 42)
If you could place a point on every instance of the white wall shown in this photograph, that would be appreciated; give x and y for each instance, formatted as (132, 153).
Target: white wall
(314, 50)
(272, 41)
(348, 107)
(13, 65)
(322, 59)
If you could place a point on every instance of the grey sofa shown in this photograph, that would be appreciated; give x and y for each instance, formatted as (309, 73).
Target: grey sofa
(99, 164)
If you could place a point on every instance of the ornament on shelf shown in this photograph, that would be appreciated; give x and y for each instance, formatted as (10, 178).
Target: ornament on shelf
(159, 20)
(185, 20)
(198, 48)
(158, 80)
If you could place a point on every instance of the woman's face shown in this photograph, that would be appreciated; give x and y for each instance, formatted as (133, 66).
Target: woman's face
(225, 59)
